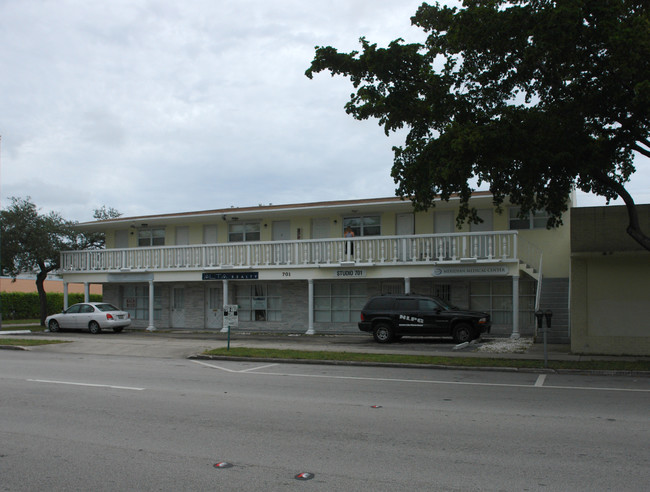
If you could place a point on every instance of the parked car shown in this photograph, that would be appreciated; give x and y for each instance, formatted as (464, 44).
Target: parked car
(390, 317)
(92, 316)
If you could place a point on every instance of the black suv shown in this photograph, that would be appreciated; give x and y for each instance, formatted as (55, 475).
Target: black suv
(388, 317)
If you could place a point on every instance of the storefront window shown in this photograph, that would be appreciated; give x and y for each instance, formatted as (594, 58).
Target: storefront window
(135, 300)
(495, 297)
(339, 302)
(259, 302)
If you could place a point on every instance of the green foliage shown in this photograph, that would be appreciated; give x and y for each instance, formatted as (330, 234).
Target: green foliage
(534, 97)
(31, 241)
(26, 305)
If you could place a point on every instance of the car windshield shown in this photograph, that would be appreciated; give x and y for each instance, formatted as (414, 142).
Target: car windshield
(444, 304)
(106, 307)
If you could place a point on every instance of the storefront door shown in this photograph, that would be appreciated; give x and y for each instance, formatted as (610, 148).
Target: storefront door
(214, 308)
(178, 307)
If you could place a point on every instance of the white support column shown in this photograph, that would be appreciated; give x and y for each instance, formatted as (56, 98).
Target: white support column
(310, 309)
(151, 326)
(224, 329)
(65, 295)
(407, 285)
(86, 292)
(515, 307)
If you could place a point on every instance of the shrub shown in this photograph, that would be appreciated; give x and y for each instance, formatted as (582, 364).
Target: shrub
(25, 305)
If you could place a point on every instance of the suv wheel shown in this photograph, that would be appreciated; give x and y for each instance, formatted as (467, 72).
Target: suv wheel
(383, 333)
(462, 333)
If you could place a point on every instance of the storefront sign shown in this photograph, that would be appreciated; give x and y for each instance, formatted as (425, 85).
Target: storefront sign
(350, 273)
(231, 276)
(469, 270)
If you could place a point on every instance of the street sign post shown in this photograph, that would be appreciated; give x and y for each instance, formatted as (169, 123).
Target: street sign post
(230, 318)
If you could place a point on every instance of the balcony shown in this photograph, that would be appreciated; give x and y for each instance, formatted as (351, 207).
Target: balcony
(501, 246)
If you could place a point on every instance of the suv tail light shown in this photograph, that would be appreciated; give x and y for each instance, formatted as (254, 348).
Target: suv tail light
(362, 317)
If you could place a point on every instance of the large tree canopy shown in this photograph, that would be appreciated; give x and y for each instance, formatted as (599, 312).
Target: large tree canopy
(533, 97)
(32, 242)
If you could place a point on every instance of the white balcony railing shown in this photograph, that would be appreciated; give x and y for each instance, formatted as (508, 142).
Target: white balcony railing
(379, 250)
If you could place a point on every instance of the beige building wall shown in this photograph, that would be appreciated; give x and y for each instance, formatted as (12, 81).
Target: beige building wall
(29, 285)
(610, 274)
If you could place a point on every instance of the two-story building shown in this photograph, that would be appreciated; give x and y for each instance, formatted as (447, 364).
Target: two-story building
(289, 268)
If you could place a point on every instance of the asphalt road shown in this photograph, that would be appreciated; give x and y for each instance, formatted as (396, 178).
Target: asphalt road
(97, 422)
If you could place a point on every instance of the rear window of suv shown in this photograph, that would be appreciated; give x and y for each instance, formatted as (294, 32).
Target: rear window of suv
(380, 303)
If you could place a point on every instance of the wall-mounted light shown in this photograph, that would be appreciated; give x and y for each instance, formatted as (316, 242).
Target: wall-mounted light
(265, 226)
(335, 221)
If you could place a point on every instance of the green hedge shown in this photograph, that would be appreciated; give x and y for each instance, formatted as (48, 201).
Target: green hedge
(25, 305)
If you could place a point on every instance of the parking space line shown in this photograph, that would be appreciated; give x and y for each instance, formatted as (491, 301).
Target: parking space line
(538, 383)
(214, 366)
(258, 368)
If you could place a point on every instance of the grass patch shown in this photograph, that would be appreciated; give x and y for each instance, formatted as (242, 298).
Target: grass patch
(21, 322)
(615, 365)
(23, 342)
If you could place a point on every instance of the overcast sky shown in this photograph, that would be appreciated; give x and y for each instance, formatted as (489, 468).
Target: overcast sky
(164, 106)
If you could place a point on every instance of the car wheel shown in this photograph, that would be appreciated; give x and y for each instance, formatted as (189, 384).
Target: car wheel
(118, 329)
(383, 333)
(462, 333)
(53, 326)
(93, 327)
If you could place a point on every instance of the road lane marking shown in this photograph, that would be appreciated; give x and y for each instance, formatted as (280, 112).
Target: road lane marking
(425, 381)
(540, 380)
(86, 384)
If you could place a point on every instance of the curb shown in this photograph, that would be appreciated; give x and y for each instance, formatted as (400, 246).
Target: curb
(13, 347)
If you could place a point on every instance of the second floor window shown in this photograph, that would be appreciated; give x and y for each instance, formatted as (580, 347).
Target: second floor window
(245, 231)
(535, 220)
(367, 225)
(151, 237)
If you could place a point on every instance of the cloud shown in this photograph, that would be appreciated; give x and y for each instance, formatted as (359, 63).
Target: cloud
(163, 106)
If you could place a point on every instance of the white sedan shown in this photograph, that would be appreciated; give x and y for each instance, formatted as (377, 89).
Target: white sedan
(93, 316)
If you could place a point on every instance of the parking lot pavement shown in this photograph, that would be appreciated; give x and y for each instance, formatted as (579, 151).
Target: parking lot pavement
(178, 344)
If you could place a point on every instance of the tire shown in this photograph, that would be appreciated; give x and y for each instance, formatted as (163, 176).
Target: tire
(94, 328)
(383, 333)
(54, 326)
(118, 329)
(463, 333)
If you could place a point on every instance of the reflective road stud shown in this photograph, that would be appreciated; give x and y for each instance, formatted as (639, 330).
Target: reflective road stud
(222, 464)
(304, 476)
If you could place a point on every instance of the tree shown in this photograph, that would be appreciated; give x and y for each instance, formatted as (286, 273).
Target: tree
(31, 242)
(533, 97)
(96, 240)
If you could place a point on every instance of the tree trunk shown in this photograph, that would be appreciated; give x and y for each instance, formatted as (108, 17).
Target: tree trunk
(633, 228)
(40, 287)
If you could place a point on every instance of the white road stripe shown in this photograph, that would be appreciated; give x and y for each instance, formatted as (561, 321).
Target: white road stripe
(257, 368)
(425, 381)
(230, 370)
(86, 384)
(540, 380)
